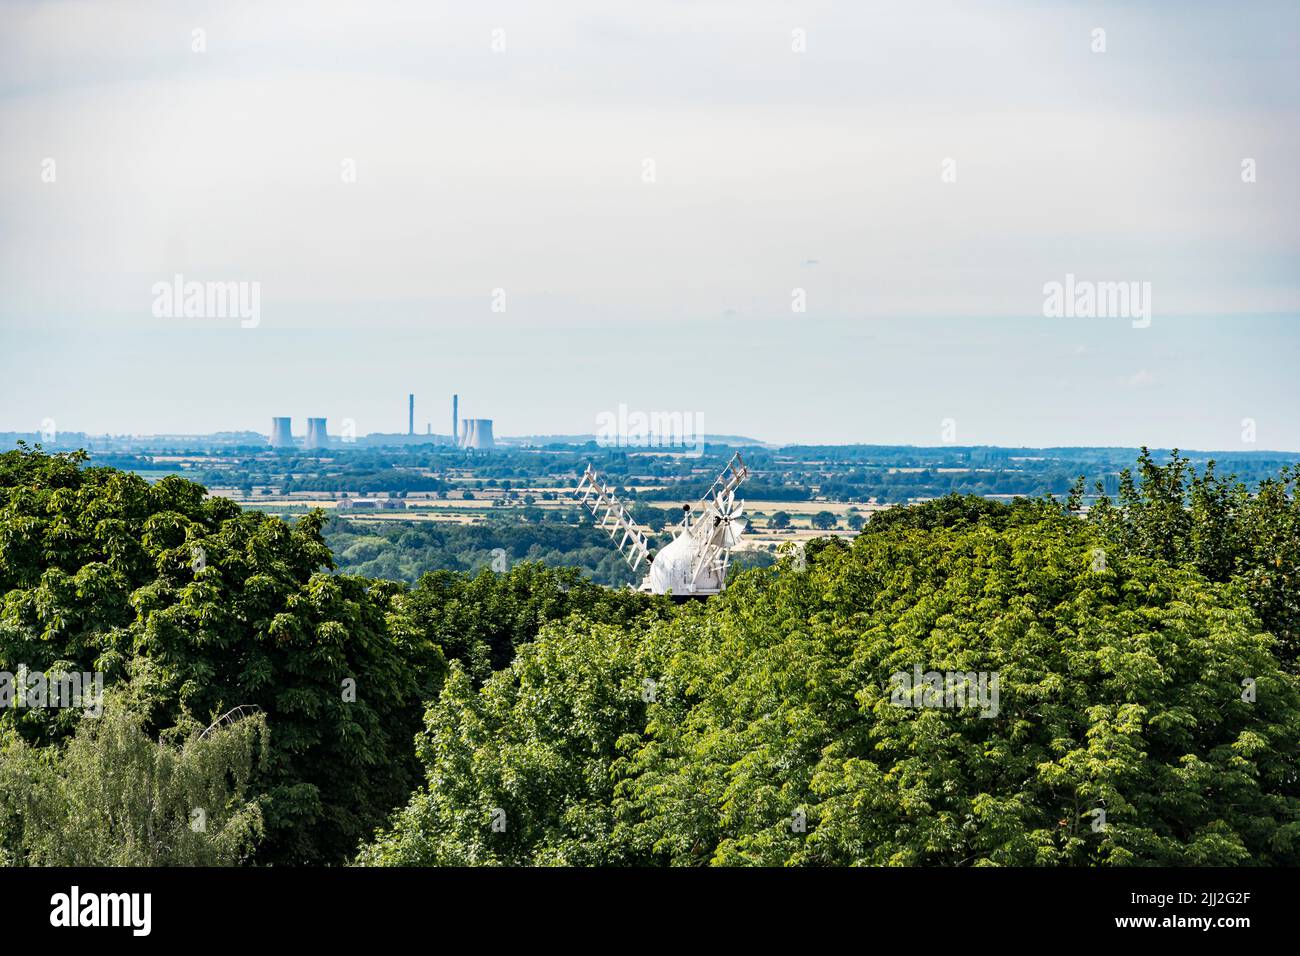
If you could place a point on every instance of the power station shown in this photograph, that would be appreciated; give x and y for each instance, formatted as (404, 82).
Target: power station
(470, 433)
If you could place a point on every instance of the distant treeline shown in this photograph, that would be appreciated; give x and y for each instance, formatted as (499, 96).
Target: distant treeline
(404, 550)
(690, 492)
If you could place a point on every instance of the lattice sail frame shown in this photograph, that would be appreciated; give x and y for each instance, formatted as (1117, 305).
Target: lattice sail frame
(711, 528)
(596, 495)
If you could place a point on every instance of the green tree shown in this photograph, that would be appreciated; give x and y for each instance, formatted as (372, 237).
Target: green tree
(1216, 525)
(113, 796)
(519, 772)
(482, 621)
(957, 512)
(823, 520)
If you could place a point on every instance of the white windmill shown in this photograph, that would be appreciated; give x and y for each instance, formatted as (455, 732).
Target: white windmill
(694, 563)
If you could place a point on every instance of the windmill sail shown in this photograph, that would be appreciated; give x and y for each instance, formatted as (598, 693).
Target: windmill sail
(695, 562)
(720, 526)
(622, 529)
(725, 485)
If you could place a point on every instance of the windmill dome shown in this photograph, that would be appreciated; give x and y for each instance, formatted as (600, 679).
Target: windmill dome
(673, 567)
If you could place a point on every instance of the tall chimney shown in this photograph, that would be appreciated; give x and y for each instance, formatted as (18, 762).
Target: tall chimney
(410, 414)
(455, 420)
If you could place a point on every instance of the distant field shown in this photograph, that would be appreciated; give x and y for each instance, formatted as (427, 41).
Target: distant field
(158, 474)
(459, 511)
(793, 508)
(364, 517)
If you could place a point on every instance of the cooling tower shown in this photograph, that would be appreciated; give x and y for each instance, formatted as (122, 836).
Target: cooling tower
(316, 436)
(477, 433)
(281, 433)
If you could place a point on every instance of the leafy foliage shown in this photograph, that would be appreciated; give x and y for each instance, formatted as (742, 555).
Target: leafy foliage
(114, 797)
(100, 571)
(1121, 690)
(483, 621)
(564, 723)
(1218, 526)
(207, 607)
(955, 512)
(531, 753)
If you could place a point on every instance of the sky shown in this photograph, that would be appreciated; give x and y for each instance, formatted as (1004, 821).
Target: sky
(813, 222)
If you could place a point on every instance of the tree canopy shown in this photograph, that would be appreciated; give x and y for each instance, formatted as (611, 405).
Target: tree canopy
(1216, 524)
(761, 728)
(1133, 671)
(115, 797)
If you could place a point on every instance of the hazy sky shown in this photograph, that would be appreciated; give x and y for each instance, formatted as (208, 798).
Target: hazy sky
(920, 170)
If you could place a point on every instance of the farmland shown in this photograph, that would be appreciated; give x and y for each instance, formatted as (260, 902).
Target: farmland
(794, 494)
